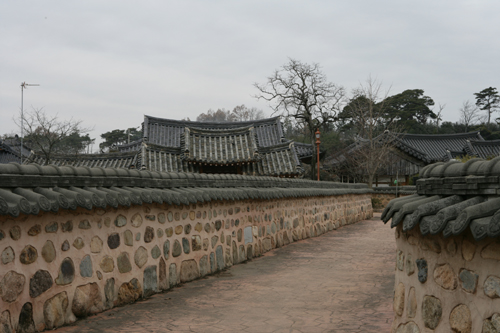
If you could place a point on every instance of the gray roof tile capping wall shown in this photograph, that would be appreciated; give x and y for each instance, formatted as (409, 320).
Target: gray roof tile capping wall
(29, 189)
(451, 198)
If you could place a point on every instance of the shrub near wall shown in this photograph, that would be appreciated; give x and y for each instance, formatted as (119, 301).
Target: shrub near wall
(59, 266)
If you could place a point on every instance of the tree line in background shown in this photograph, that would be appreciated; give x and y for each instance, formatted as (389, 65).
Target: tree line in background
(307, 101)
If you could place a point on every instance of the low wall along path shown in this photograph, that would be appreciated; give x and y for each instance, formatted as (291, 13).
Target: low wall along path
(78, 241)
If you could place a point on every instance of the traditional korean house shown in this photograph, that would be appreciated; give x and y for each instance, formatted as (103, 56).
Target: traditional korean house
(256, 147)
(411, 152)
(10, 150)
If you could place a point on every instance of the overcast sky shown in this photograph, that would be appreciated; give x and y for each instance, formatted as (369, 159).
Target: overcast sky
(108, 63)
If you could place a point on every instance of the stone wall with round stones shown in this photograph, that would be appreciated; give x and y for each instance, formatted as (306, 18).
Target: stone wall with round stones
(446, 284)
(59, 266)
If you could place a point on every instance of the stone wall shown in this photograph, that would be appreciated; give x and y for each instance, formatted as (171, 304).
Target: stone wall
(446, 284)
(59, 266)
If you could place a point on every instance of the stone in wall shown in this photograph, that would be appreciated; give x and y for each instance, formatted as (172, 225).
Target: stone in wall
(166, 249)
(400, 261)
(11, 286)
(189, 270)
(422, 270)
(451, 247)
(204, 266)
(95, 244)
(172, 275)
(492, 287)
(87, 300)
(206, 244)
(207, 228)
(28, 255)
(26, 323)
(399, 299)
(445, 277)
(35, 230)
(8, 255)
(66, 272)
(162, 275)
(40, 282)
(410, 266)
(468, 250)
(492, 324)
(15, 232)
(219, 254)
(187, 229)
(65, 246)
(249, 251)
(107, 264)
(129, 292)
(431, 311)
(84, 224)
(123, 263)
(113, 240)
(141, 256)
(159, 232)
(491, 251)
(179, 229)
(409, 327)
(235, 253)
(198, 227)
(177, 249)
(120, 221)
(5, 322)
(128, 238)
(149, 235)
(431, 244)
(67, 226)
(241, 253)
(468, 280)
(196, 242)
(155, 252)
(150, 281)
(52, 227)
(54, 310)
(136, 220)
(460, 319)
(161, 218)
(78, 243)
(411, 309)
(169, 232)
(48, 251)
(109, 293)
(186, 246)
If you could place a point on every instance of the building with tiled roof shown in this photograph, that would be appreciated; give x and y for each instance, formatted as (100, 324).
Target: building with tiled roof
(10, 150)
(411, 152)
(256, 147)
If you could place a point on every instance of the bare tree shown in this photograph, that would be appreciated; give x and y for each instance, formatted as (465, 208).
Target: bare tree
(439, 114)
(242, 113)
(366, 111)
(469, 114)
(302, 92)
(49, 135)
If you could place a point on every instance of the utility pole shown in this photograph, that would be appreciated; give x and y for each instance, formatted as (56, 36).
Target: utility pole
(23, 86)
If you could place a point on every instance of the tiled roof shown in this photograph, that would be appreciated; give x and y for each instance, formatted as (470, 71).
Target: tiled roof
(434, 146)
(108, 160)
(451, 198)
(280, 160)
(10, 149)
(29, 189)
(482, 149)
(219, 146)
(167, 132)
(304, 150)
